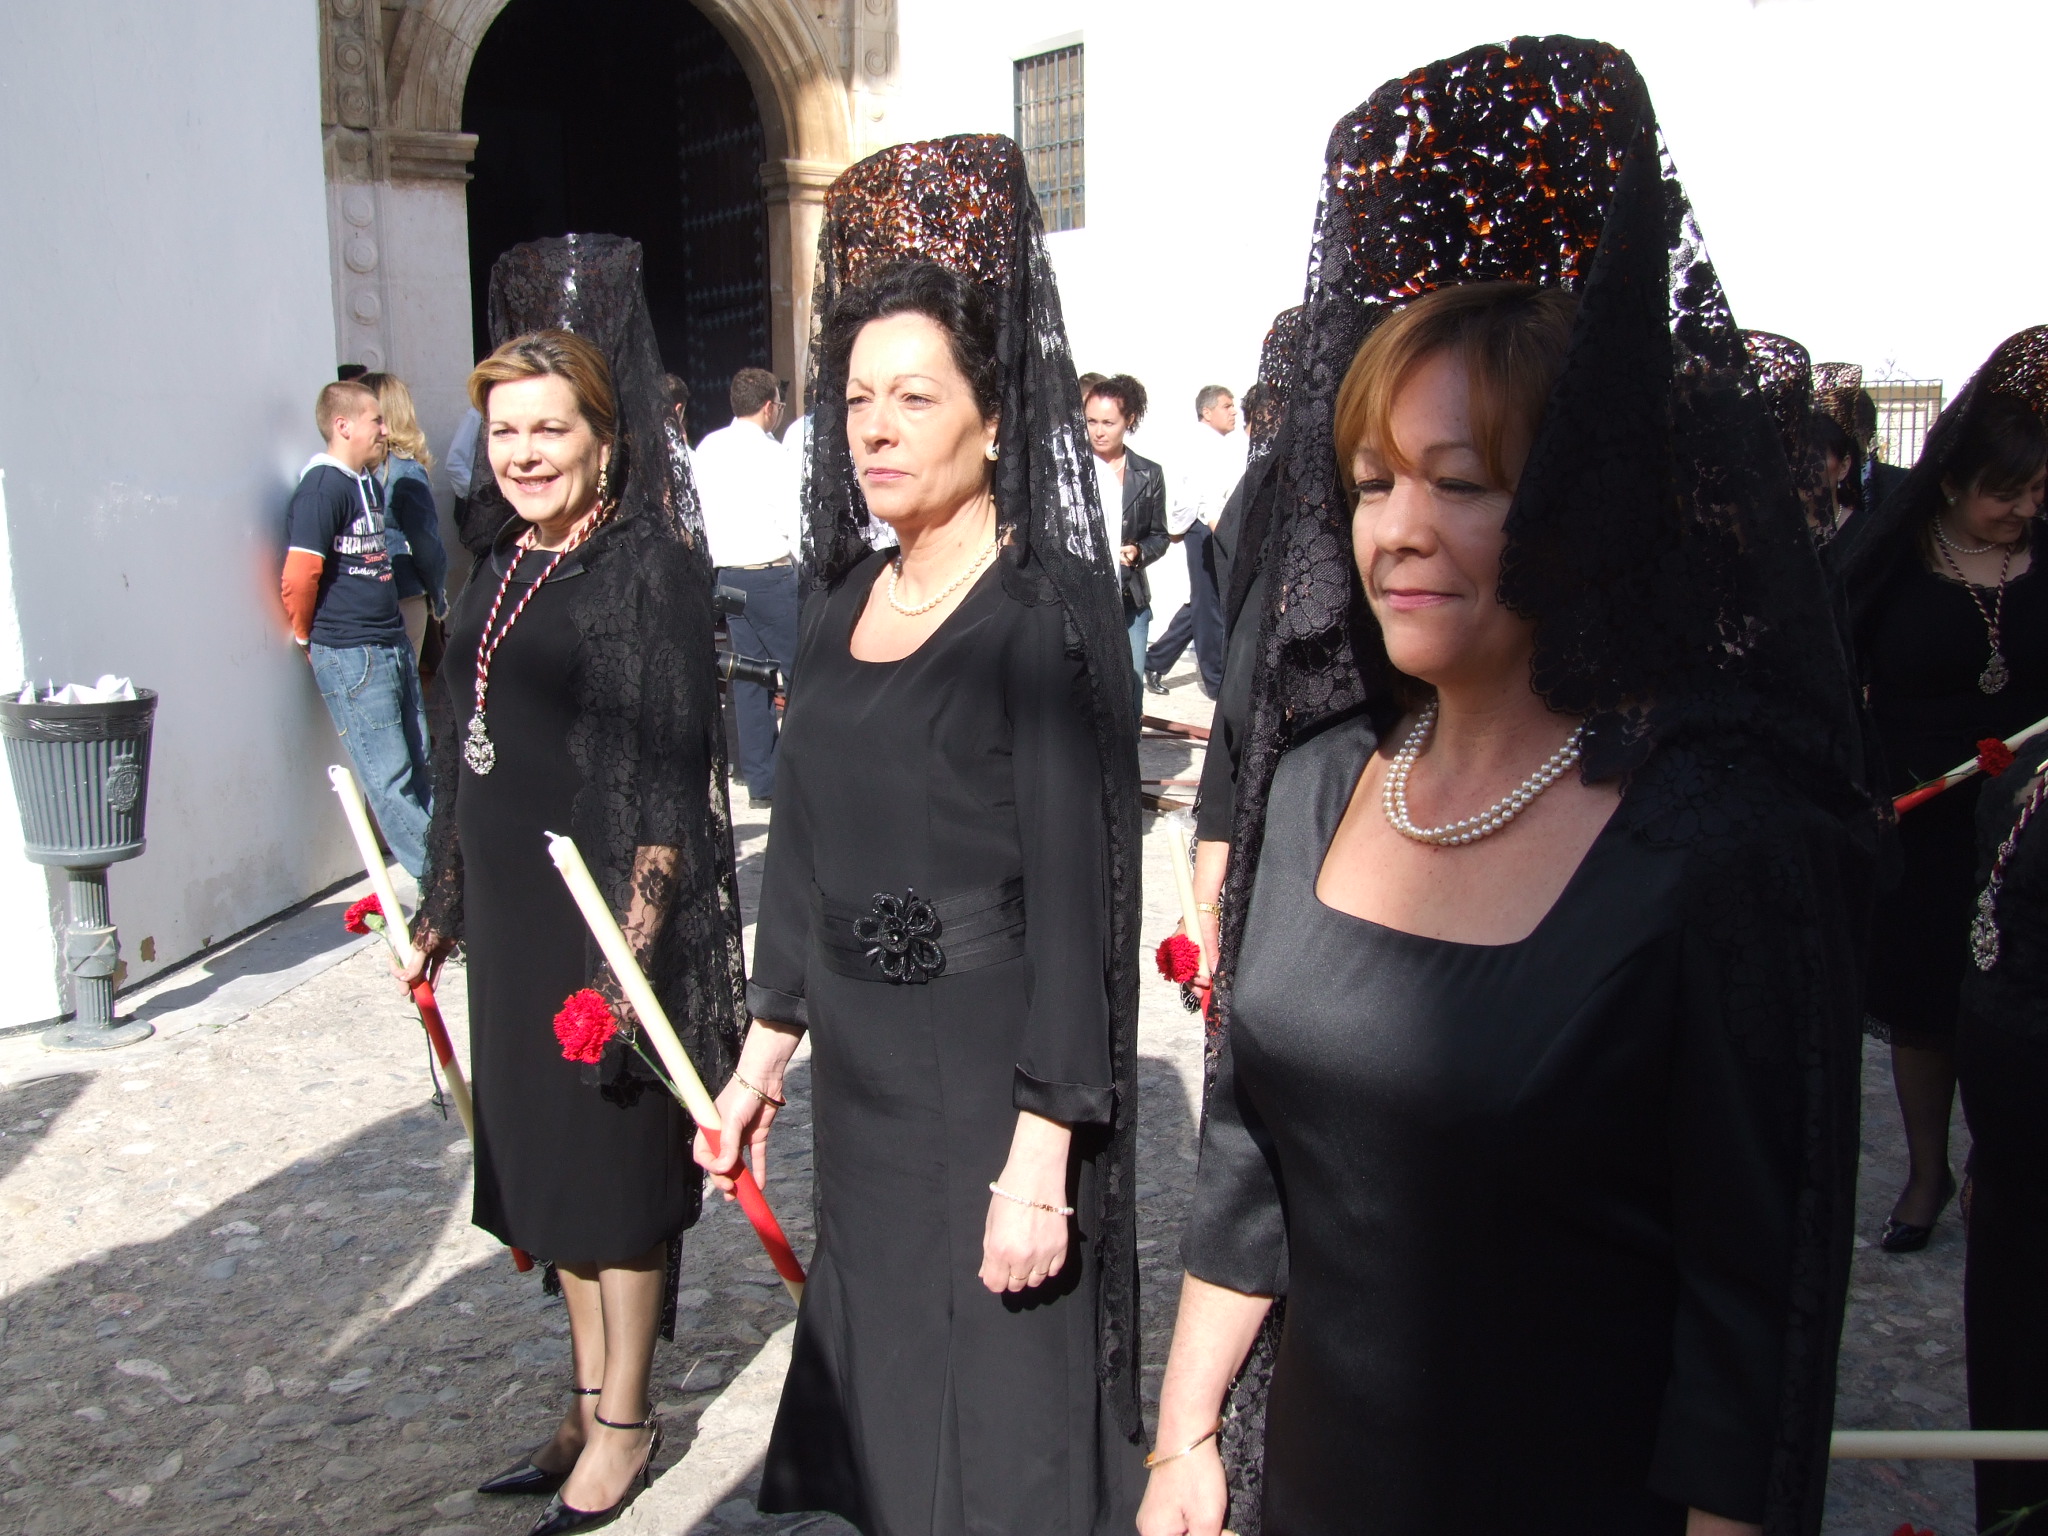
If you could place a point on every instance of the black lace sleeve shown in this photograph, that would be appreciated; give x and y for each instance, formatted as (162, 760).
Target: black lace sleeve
(651, 817)
(439, 919)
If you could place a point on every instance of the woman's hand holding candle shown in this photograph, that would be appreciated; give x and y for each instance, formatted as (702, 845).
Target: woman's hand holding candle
(744, 1116)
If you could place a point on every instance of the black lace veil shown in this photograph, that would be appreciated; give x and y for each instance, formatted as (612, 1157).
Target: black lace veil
(1876, 544)
(966, 203)
(1784, 372)
(1656, 542)
(1277, 359)
(651, 816)
(590, 284)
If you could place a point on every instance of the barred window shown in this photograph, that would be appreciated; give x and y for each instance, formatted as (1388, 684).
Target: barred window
(1906, 408)
(1049, 113)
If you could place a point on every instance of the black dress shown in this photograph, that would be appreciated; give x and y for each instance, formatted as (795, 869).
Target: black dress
(2002, 1069)
(1927, 645)
(1532, 1206)
(563, 1170)
(966, 773)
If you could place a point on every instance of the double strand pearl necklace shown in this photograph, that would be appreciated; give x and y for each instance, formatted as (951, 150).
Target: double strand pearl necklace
(1470, 829)
(973, 567)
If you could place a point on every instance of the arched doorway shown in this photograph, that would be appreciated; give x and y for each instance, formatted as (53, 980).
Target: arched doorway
(646, 126)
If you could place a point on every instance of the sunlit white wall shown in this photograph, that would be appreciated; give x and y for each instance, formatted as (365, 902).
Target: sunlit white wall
(164, 324)
(1868, 173)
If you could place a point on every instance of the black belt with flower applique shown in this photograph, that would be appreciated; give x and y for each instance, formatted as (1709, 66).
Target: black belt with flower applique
(909, 938)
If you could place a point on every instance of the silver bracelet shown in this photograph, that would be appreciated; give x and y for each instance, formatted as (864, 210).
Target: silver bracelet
(1036, 1205)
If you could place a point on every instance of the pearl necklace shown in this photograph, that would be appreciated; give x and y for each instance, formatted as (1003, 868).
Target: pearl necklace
(1941, 536)
(896, 571)
(1470, 829)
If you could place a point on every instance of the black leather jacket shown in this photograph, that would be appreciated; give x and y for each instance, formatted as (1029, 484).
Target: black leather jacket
(1144, 524)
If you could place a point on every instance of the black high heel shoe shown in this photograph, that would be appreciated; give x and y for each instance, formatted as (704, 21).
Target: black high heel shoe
(1903, 1236)
(526, 1477)
(559, 1517)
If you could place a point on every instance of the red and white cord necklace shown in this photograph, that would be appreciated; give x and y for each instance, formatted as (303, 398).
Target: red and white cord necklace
(477, 748)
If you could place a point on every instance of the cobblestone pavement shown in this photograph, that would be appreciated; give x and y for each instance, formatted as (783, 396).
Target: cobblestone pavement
(241, 1293)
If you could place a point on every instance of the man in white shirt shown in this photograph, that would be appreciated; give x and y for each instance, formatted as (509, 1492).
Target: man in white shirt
(749, 489)
(1211, 468)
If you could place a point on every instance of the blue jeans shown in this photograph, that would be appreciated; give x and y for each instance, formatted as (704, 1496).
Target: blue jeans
(766, 631)
(372, 692)
(1139, 626)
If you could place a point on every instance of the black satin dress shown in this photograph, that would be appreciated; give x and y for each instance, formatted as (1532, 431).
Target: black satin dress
(1927, 647)
(918, 1402)
(562, 1171)
(1531, 1204)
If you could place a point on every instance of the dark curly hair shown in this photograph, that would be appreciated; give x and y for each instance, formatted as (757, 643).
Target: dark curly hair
(949, 300)
(1128, 394)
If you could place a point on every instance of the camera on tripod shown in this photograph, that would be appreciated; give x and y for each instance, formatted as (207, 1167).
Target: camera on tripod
(730, 602)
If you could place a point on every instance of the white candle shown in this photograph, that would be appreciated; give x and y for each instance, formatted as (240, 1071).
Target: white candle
(1940, 1445)
(619, 954)
(1184, 885)
(398, 938)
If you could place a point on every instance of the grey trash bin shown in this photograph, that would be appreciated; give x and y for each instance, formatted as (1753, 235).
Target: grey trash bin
(81, 781)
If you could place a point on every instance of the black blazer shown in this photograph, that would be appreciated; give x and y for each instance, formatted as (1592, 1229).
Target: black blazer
(1144, 524)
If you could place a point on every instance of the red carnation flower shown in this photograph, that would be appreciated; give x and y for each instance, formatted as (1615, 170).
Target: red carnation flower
(357, 918)
(585, 1026)
(1179, 958)
(1993, 757)
(1910, 1529)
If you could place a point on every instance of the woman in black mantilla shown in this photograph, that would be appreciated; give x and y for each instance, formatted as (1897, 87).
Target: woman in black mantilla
(1948, 622)
(2002, 1069)
(578, 695)
(1534, 1086)
(949, 903)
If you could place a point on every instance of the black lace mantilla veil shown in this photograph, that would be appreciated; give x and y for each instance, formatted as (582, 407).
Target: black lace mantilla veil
(1874, 546)
(1784, 371)
(590, 284)
(656, 835)
(1656, 541)
(1263, 428)
(966, 203)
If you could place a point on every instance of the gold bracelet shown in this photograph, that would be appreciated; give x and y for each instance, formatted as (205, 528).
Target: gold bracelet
(1157, 1460)
(1036, 1205)
(1210, 907)
(766, 1098)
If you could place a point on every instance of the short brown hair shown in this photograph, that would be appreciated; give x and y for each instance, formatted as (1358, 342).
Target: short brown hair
(752, 388)
(1125, 391)
(344, 397)
(562, 355)
(1512, 338)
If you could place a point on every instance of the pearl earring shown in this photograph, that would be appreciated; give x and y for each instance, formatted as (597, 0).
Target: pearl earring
(992, 452)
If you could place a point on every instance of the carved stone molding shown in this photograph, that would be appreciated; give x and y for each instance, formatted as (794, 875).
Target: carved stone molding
(417, 156)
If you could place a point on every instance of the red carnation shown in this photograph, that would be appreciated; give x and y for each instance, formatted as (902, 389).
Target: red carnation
(1910, 1529)
(585, 1026)
(357, 918)
(1179, 958)
(1993, 757)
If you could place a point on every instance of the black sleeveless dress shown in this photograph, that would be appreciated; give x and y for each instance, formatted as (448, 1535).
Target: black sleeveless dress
(965, 774)
(1532, 1205)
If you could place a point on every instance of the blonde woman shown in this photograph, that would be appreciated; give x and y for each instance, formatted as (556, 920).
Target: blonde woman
(412, 530)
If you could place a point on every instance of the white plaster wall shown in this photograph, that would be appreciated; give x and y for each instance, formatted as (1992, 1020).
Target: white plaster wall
(1857, 166)
(165, 321)
(426, 286)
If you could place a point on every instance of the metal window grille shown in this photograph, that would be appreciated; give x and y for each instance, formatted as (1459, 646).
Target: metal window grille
(1049, 130)
(1906, 408)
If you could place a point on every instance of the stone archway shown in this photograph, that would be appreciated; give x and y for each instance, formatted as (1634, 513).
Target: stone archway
(393, 73)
